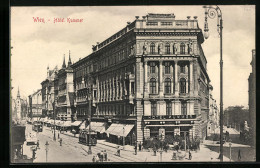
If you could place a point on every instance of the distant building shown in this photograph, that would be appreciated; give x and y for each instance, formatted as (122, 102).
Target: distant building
(35, 104)
(252, 97)
(213, 115)
(19, 107)
(64, 92)
(147, 80)
(48, 92)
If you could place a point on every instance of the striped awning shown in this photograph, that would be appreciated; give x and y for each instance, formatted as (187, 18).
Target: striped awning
(66, 124)
(97, 127)
(120, 129)
(76, 123)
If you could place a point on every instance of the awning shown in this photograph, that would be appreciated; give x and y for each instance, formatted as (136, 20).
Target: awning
(76, 123)
(97, 127)
(120, 129)
(57, 122)
(66, 124)
(82, 126)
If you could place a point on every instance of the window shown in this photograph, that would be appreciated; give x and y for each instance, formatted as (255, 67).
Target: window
(152, 48)
(182, 68)
(174, 48)
(183, 85)
(183, 108)
(166, 23)
(152, 24)
(167, 67)
(153, 86)
(167, 85)
(169, 108)
(167, 48)
(182, 47)
(152, 67)
(153, 108)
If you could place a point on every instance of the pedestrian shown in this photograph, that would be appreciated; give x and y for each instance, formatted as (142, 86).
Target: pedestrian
(97, 158)
(58, 135)
(135, 149)
(190, 156)
(154, 150)
(239, 155)
(101, 156)
(140, 146)
(38, 144)
(34, 154)
(118, 151)
(105, 155)
(94, 159)
(61, 142)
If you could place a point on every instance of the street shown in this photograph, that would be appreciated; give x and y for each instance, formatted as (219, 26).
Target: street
(72, 151)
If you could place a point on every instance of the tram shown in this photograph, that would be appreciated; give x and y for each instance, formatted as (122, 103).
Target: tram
(88, 139)
(37, 127)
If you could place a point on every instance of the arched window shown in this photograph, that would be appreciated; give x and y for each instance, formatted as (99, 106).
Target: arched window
(183, 85)
(153, 86)
(182, 47)
(183, 108)
(167, 85)
(167, 48)
(152, 48)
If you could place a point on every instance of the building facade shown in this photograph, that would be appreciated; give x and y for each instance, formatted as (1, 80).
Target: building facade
(64, 92)
(150, 77)
(252, 97)
(35, 104)
(19, 108)
(213, 116)
(48, 92)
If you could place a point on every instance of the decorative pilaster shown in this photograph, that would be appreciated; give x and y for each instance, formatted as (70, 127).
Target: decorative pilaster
(160, 79)
(145, 79)
(191, 78)
(139, 127)
(176, 78)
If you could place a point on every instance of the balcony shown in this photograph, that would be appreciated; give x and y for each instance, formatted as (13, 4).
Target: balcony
(155, 95)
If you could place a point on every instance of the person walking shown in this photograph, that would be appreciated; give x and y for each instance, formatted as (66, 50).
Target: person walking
(105, 155)
(239, 155)
(94, 159)
(190, 156)
(140, 146)
(101, 156)
(135, 149)
(34, 154)
(61, 142)
(118, 151)
(58, 135)
(38, 144)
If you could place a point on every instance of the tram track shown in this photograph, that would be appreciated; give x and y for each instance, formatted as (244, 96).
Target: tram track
(73, 142)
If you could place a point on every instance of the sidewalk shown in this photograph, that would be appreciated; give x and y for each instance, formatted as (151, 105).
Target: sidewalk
(125, 148)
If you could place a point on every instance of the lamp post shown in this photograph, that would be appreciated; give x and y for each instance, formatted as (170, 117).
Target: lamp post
(54, 116)
(124, 137)
(211, 11)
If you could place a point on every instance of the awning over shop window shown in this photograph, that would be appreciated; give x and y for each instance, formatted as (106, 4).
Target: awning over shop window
(76, 123)
(97, 127)
(58, 122)
(82, 126)
(120, 129)
(66, 124)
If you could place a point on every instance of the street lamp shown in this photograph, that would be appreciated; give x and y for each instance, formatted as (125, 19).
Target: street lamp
(124, 137)
(211, 11)
(89, 97)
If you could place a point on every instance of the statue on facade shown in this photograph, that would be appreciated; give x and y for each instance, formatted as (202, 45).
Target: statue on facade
(145, 48)
(175, 48)
(159, 48)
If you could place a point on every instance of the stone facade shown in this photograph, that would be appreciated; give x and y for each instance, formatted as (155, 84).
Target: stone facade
(252, 97)
(35, 104)
(64, 92)
(48, 92)
(152, 74)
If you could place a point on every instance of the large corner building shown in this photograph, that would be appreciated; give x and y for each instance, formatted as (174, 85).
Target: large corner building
(148, 79)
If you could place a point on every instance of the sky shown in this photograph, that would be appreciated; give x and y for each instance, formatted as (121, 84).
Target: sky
(37, 45)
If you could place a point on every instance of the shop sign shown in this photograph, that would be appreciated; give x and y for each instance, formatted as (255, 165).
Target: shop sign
(169, 117)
